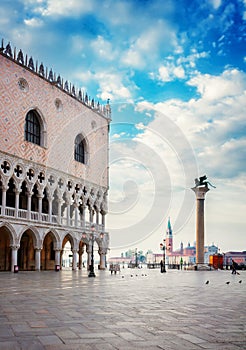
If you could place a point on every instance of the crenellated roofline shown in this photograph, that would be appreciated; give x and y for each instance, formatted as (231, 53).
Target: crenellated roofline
(54, 79)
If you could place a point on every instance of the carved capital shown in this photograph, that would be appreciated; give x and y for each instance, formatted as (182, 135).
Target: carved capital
(200, 192)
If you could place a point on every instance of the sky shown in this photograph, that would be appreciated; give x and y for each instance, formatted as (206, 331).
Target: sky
(175, 74)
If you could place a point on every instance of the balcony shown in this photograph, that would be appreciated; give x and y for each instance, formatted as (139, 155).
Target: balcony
(22, 215)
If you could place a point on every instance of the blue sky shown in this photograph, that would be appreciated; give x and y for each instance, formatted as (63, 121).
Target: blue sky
(174, 72)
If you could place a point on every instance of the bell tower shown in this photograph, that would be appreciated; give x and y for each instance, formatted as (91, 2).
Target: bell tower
(169, 237)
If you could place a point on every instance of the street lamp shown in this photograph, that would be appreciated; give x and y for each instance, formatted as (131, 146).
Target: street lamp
(163, 248)
(91, 240)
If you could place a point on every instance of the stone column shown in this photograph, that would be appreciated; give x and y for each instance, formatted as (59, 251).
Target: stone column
(102, 253)
(57, 257)
(17, 196)
(68, 211)
(29, 202)
(59, 203)
(75, 259)
(103, 220)
(81, 251)
(91, 215)
(4, 192)
(88, 251)
(50, 198)
(14, 257)
(200, 198)
(97, 217)
(76, 214)
(83, 215)
(40, 197)
(37, 259)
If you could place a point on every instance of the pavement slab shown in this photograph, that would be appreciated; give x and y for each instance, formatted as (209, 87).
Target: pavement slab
(144, 310)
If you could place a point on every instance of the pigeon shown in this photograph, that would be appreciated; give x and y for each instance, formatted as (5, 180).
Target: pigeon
(240, 281)
(227, 282)
(207, 282)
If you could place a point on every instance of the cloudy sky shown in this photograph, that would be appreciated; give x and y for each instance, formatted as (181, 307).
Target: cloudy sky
(174, 72)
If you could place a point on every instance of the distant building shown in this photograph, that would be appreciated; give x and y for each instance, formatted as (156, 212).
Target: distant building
(184, 255)
(120, 260)
(238, 257)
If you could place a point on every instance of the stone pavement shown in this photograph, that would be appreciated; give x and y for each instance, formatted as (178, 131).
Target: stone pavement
(172, 311)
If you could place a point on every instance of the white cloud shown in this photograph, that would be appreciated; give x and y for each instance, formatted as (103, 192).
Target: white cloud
(65, 8)
(118, 136)
(190, 61)
(179, 72)
(133, 58)
(140, 126)
(169, 72)
(230, 83)
(103, 48)
(139, 196)
(147, 46)
(111, 86)
(211, 120)
(215, 3)
(164, 73)
(178, 68)
(33, 22)
(78, 44)
(214, 126)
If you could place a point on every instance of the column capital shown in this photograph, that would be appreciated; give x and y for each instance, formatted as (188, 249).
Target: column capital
(38, 248)
(200, 191)
(57, 249)
(15, 247)
(103, 251)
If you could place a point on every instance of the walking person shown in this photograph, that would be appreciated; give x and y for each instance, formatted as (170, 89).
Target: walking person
(233, 266)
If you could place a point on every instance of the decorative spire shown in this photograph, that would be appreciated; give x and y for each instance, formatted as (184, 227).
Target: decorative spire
(169, 225)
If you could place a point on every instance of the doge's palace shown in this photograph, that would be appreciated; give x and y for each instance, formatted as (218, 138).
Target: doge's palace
(53, 167)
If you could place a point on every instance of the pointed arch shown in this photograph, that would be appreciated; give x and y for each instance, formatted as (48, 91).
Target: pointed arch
(69, 237)
(23, 195)
(34, 231)
(26, 252)
(81, 149)
(10, 194)
(6, 241)
(35, 128)
(50, 243)
(12, 234)
(54, 234)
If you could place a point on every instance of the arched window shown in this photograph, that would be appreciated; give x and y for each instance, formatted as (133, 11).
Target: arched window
(33, 128)
(79, 149)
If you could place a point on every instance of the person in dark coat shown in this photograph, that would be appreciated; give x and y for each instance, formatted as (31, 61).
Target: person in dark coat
(233, 266)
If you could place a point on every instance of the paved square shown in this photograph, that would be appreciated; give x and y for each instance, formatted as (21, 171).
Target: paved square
(136, 309)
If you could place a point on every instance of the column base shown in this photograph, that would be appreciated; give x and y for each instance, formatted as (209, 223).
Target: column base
(92, 274)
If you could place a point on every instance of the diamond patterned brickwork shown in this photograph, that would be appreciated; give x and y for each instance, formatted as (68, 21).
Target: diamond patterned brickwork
(61, 125)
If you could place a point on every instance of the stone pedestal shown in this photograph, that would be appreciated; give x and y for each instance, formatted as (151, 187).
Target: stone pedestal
(200, 198)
